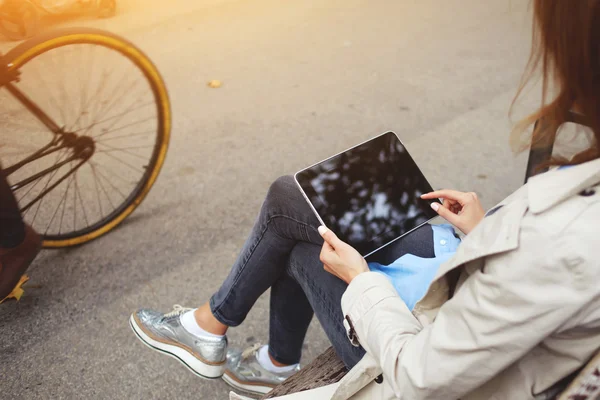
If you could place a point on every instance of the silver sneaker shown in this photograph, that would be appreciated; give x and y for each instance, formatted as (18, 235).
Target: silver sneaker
(245, 373)
(163, 332)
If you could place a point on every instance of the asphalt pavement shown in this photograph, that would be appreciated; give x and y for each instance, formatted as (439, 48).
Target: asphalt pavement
(301, 81)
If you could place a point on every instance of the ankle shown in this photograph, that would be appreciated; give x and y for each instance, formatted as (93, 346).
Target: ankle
(275, 362)
(188, 321)
(207, 321)
(265, 359)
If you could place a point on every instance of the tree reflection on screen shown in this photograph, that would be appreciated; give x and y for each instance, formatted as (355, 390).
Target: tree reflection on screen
(369, 195)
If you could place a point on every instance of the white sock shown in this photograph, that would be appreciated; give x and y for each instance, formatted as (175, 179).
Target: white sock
(265, 361)
(189, 324)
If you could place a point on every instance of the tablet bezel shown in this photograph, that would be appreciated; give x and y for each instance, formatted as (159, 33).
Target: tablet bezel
(342, 152)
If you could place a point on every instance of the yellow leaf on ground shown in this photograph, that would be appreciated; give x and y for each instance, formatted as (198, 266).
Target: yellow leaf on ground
(17, 291)
(214, 84)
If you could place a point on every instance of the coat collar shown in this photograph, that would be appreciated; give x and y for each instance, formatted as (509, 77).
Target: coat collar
(547, 190)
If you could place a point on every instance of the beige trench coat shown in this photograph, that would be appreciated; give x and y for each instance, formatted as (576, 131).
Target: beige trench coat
(524, 312)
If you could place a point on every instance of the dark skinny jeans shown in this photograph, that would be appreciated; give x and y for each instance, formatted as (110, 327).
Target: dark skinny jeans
(282, 253)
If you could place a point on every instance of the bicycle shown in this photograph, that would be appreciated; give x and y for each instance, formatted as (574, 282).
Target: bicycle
(19, 19)
(90, 120)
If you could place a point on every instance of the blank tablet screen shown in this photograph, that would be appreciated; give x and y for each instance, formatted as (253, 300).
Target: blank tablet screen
(370, 194)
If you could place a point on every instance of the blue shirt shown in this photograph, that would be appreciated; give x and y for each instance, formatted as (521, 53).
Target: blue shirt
(412, 275)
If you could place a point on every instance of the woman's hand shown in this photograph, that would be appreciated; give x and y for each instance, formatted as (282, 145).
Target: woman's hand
(339, 258)
(463, 210)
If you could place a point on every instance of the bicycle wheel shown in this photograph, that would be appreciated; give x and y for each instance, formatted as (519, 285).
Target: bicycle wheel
(18, 19)
(113, 110)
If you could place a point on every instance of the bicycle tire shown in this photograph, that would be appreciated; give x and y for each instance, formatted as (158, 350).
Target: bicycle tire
(26, 51)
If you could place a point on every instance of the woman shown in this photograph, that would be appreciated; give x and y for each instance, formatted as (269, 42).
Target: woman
(514, 311)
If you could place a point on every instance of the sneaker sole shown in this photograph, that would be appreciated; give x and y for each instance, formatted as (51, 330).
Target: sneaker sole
(205, 371)
(258, 389)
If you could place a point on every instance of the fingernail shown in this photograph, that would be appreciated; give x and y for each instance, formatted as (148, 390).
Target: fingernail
(435, 206)
(322, 229)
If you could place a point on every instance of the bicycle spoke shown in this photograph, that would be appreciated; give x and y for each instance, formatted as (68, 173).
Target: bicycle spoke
(103, 188)
(148, 146)
(123, 113)
(54, 185)
(120, 116)
(60, 104)
(56, 211)
(84, 99)
(45, 151)
(59, 158)
(117, 94)
(41, 200)
(98, 94)
(124, 150)
(124, 127)
(127, 148)
(65, 98)
(125, 136)
(109, 182)
(124, 163)
(85, 85)
(110, 129)
(97, 191)
(89, 127)
(27, 181)
(93, 50)
(62, 217)
(115, 174)
(87, 224)
(54, 101)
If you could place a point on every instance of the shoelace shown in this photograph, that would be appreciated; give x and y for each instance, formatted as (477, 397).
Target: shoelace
(250, 351)
(177, 310)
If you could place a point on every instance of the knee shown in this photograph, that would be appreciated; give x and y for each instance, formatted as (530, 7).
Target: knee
(285, 198)
(281, 188)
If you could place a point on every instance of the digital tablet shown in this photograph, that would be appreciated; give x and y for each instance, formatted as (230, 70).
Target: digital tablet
(368, 195)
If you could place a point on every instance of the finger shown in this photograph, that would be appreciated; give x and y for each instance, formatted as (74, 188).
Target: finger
(328, 254)
(445, 194)
(449, 203)
(452, 206)
(327, 248)
(329, 236)
(447, 214)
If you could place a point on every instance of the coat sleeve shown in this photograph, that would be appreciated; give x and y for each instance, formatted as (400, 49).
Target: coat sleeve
(497, 316)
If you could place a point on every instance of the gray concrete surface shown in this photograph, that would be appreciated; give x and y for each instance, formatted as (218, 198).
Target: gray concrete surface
(302, 80)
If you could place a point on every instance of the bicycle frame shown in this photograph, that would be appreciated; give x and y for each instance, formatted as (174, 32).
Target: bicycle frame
(83, 149)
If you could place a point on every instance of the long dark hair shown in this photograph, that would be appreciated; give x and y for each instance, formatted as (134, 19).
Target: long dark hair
(566, 50)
